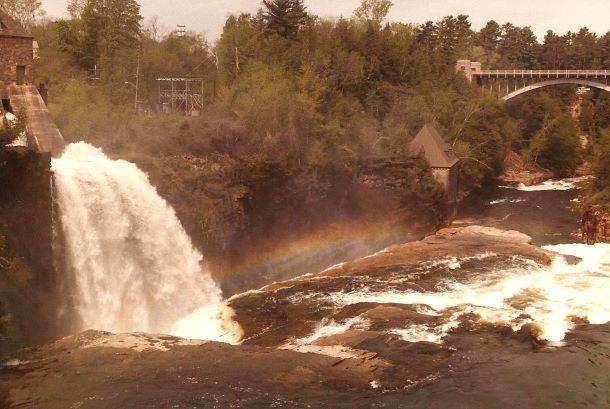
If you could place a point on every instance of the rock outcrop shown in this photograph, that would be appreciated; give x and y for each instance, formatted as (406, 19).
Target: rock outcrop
(519, 170)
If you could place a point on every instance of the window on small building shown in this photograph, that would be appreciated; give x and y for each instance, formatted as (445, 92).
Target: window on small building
(2, 25)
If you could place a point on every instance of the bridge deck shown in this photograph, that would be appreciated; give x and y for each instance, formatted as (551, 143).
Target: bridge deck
(542, 74)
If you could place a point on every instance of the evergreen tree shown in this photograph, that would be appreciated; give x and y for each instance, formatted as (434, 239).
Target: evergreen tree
(554, 51)
(586, 54)
(489, 36)
(284, 17)
(604, 51)
(427, 37)
(518, 47)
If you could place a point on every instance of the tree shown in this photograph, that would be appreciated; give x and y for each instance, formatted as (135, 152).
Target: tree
(284, 17)
(109, 26)
(75, 8)
(554, 51)
(585, 48)
(557, 146)
(375, 11)
(427, 37)
(24, 11)
(604, 50)
(454, 35)
(489, 36)
(602, 162)
(518, 47)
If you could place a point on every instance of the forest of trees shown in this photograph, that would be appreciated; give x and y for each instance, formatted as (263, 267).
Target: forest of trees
(324, 93)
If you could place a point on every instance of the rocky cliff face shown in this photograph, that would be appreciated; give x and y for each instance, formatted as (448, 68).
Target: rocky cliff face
(259, 221)
(27, 272)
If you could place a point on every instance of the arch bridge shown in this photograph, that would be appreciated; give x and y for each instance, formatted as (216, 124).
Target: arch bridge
(508, 84)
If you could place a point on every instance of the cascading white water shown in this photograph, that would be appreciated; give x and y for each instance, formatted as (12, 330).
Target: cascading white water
(135, 268)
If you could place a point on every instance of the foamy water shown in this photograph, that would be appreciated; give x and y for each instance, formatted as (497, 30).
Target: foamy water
(506, 200)
(328, 328)
(134, 267)
(550, 298)
(559, 185)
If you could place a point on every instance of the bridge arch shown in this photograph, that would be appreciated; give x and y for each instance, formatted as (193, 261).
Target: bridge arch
(549, 83)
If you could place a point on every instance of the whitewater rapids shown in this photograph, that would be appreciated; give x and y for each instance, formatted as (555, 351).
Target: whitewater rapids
(134, 268)
(549, 298)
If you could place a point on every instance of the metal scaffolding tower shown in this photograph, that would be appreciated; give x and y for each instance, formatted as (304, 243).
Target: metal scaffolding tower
(181, 94)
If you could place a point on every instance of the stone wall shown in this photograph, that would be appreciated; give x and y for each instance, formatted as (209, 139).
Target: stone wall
(27, 206)
(15, 51)
(28, 290)
(449, 179)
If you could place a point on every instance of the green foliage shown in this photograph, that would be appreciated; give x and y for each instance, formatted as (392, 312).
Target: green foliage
(423, 192)
(331, 151)
(316, 93)
(602, 162)
(283, 17)
(374, 11)
(599, 190)
(102, 34)
(489, 36)
(25, 12)
(109, 26)
(260, 170)
(518, 47)
(556, 146)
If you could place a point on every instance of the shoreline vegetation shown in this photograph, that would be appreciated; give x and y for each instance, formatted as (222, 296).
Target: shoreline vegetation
(298, 102)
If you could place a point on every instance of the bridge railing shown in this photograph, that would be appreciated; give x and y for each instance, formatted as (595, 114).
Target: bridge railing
(543, 73)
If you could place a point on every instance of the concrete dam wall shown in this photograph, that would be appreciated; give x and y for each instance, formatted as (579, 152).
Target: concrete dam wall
(44, 136)
(27, 223)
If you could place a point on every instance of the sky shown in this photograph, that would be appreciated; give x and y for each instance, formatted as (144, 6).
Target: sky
(208, 16)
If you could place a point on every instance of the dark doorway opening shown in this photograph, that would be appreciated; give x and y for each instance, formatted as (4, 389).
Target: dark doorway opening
(20, 74)
(6, 106)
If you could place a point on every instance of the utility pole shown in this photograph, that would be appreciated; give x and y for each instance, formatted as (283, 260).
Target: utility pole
(135, 103)
(236, 62)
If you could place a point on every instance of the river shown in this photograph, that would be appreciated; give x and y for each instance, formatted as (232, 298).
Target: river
(471, 317)
(548, 212)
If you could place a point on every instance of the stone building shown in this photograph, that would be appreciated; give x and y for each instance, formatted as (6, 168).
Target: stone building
(468, 68)
(442, 159)
(16, 52)
(18, 94)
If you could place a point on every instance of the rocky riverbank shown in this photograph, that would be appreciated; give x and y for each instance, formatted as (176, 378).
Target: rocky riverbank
(519, 170)
(304, 346)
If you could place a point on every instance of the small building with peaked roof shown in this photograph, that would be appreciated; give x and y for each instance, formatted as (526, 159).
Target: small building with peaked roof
(16, 52)
(441, 157)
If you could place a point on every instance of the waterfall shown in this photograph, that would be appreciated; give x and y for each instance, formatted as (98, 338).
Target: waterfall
(134, 268)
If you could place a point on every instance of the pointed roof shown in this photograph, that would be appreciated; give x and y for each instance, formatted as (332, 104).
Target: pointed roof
(438, 152)
(11, 28)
